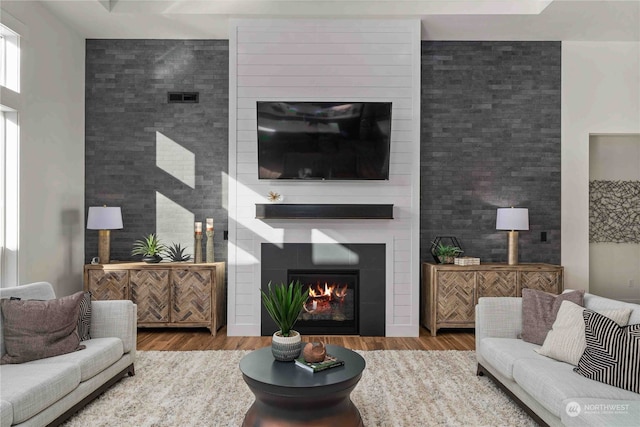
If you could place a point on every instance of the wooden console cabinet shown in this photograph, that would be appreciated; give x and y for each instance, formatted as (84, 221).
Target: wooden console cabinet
(167, 294)
(450, 292)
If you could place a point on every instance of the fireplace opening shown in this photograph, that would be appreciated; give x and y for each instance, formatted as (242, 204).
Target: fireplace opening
(332, 306)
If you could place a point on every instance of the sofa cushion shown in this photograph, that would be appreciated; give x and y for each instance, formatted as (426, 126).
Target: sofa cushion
(539, 310)
(37, 329)
(596, 412)
(100, 353)
(551, 382)
(6, 413)
(501, 353)
(612, 355)
(31, 388)
(566, 339)
(84, 318)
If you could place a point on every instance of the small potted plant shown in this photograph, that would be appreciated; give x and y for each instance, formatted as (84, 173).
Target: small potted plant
(176, 253)
(284, 304)
(446, 253)
(150, 248)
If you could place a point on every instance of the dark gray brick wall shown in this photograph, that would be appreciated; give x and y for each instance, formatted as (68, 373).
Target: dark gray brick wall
(490, 137)
(126, 103)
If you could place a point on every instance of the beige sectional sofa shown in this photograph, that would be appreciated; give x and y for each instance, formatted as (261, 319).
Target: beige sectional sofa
(48, 391)
(549, 390)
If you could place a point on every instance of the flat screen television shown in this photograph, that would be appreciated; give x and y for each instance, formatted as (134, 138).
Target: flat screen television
(324, 140)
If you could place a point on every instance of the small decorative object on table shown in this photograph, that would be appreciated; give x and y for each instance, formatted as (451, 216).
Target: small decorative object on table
(284, 304)
(447, 253)
(176, 253)
(150, 248)
(466, 260)
(314, 352)
(197, 246)
(452, 243)
(210, 257)
(327, 363)
(274, 197)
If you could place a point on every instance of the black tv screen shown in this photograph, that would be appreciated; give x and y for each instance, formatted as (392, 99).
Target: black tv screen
(324, 140)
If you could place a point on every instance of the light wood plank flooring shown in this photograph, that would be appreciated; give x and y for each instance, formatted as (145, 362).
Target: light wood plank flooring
(201, 339)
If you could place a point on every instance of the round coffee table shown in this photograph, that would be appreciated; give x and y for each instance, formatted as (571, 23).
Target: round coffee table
(288, 395)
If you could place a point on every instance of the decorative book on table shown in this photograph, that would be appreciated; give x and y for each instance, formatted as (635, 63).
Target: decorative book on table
(328, 363)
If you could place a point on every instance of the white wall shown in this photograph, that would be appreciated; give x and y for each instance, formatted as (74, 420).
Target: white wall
(332, 60)
(51, 246)
(614, 268)
(600, 95)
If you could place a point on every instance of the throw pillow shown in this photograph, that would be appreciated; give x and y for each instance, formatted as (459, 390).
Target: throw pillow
(566, 339)
(612, 355)
(539, 310)
(38, 329)
(84, 319)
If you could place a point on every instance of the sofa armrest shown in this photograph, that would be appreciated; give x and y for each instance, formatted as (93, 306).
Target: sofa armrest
(117, 318)
(498, 317)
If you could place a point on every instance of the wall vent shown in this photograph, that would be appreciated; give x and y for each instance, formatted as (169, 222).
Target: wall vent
(183, 97)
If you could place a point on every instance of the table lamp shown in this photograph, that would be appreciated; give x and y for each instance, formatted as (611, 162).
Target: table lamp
(512, 219)
(104, 219)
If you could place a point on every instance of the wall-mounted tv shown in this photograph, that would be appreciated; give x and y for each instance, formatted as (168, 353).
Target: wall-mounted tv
(324, 140)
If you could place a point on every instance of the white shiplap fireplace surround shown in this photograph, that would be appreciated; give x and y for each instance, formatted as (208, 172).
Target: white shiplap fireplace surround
(324, 60)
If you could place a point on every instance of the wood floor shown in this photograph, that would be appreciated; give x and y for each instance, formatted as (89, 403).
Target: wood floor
(201, 339)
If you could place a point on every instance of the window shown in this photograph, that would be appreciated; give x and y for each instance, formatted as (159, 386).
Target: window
(9, 155)
(9, 59)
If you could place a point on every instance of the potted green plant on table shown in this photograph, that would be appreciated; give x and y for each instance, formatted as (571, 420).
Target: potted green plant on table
(446, 253)
(150, 248)
(284, 303)
(176, 253)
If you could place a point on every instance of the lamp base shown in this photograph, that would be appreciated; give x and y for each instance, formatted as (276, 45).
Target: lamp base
(104, 246)
(512, 240)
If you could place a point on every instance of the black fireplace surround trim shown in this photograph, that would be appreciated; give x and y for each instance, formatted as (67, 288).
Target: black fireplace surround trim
(319, 211)
(278, 259)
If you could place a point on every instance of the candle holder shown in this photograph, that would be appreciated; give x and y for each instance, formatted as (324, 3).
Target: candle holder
(210, 257)
(198, 248)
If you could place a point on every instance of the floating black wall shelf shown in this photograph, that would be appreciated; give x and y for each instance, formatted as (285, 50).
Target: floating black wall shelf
(323, 211)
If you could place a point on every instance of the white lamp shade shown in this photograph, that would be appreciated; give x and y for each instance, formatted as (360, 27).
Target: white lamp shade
(512, 219)
(104, 218)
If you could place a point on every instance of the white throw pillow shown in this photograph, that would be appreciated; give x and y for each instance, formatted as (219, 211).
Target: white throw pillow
(566, 339)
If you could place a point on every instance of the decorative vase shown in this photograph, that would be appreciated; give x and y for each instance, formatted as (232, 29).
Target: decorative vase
(286, 349)
(152, 259)
(446, 259)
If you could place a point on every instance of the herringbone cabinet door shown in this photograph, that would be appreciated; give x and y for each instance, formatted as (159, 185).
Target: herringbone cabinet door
(497, 284)
(191, 295)
(455, 297)
(108, 285)
(546, 281)
(150, 290)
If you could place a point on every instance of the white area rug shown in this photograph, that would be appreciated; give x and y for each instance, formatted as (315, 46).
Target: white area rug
(398, 388)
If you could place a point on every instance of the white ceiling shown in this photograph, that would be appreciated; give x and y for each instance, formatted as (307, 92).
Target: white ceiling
(441, 19)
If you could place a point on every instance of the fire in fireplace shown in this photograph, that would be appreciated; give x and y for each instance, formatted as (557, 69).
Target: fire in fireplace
(332, 306)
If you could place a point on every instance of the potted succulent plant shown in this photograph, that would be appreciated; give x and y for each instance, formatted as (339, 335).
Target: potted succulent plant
(176, 253)
(446, 253)
(284, 303)
(150, 248)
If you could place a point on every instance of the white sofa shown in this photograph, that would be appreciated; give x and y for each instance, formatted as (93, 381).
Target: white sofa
(49, 391)
(544, 387)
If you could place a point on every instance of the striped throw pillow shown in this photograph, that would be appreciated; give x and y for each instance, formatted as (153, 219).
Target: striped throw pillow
(612, 355)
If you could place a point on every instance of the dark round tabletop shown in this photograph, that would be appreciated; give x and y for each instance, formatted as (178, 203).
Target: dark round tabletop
(288, 395)
(260, 366)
